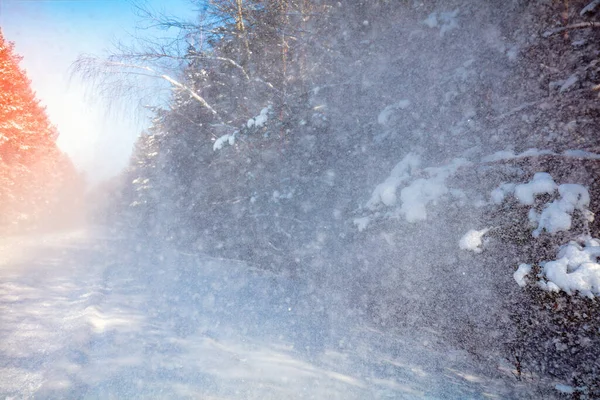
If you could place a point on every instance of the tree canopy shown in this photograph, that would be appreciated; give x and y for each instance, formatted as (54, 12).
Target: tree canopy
(35, 174)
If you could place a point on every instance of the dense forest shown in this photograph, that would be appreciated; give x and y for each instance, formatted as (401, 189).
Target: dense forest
(427, 164)
(39, 186)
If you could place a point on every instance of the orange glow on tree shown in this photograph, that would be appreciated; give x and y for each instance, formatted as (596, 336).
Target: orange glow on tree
(34, 173)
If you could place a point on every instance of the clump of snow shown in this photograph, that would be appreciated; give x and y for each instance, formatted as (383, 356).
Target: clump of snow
(566, 389)
(520, 273)
(260, 120)
(499, 194)
(556, 215)
(431, 20)
(277, 195)
(512, 53)
(386, 192)
(499, 155)
(581, 154)
(384, 116)
(139, 180)
(361, 223)
(472, 240)
(415, 196)
(569, 83)
(533, 152)
(227, 138)
(446, 21)
(542, 182)
(576, 269)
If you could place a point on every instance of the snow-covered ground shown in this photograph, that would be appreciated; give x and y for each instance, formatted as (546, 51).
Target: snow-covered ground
(49, 285)
(78, 320)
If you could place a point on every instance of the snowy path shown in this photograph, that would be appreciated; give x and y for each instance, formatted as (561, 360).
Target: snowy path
(49, 285)
(73, 324)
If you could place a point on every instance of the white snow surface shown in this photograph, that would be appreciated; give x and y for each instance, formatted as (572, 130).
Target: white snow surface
(81, 326)
(576, 269)
(472, 240)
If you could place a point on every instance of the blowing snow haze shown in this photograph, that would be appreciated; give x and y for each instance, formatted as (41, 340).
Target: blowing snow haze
(338, 200)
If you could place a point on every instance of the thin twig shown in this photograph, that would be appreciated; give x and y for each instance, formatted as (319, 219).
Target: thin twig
(166, 78)
(590, 7)
(517, 109)
(581, 25)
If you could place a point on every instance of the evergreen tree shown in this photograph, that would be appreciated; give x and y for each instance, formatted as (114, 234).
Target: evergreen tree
(34, 173)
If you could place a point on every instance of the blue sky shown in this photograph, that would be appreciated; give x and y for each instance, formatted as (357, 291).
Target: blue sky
(50, 34)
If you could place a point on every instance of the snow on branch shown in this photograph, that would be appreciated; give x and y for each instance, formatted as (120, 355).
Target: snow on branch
(410, 189)
(417, 188)
(385, 193)
(555, 216)
(576, 267)
(261, 119)
(506, 155)
(590, 7)
(257, 121)
(227, 138)
(173, 82)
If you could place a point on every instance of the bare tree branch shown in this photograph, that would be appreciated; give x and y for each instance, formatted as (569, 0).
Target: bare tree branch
(97, 71)
(169, 79)
(581, 25)
(590, 7)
